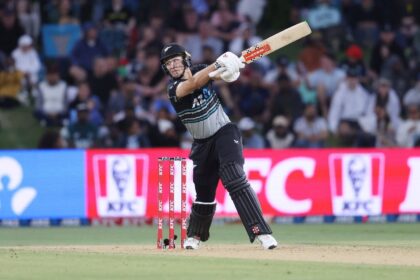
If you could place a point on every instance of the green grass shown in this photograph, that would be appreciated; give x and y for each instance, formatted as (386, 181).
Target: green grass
(26, 265)
(19, 129)
(308, 234)
(24, 262)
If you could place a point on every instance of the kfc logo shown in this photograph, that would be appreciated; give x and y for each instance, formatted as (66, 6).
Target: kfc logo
(357, 183)
(120, 185)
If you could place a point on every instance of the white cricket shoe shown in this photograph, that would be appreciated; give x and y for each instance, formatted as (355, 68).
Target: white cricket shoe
(267, 241)
(192, 243)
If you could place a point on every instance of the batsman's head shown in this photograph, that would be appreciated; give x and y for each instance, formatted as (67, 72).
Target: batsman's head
(174, 60)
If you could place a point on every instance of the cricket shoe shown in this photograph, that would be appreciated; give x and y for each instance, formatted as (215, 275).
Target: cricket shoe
(192, 243)
(267, 241)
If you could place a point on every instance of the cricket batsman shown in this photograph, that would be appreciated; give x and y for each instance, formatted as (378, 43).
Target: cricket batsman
(217, 148)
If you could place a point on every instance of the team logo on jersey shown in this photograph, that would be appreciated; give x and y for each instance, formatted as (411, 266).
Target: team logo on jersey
(357, 183)
(202, 98)
(120, 185)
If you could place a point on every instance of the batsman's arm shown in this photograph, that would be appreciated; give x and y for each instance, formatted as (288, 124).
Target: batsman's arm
(195, 81)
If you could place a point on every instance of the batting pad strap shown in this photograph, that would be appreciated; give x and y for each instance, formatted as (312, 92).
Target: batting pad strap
(249, 210)
(200, 220)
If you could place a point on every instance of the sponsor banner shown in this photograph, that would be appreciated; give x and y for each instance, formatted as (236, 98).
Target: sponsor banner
(341, 182)
(42, 184)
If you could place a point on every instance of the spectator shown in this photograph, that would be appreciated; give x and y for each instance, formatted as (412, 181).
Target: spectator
(27, 60)
(196, 42)
(149, 39)
(413, 95)
(283, 67)
(51, 98)
(286, 101)
(82, 134)
(408, 39)
(94, 104)
(384, 49)
(349, 134)
(134, 136)
(119, 16)
(51, 139)
(408, 133)
(252, 9)
(119, 23)
(136, 64)
(279, 136)
(367, 17)
(309, 58)
(102, 81)
(350, 102)
(387, 98)
(29, 17)
(65, 13)
(10, 30)
(85, 51)
(327, 78)
(11, 81)
(166, 134)
(398, 74)
(127, 94)
(253, 96)
(226, 23)
(311, 130)
(385, 132)
(250, 138)
(151, 80)
(354, 59)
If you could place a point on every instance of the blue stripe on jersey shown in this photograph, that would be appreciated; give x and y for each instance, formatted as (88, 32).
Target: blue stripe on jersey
(198, 108)
(203, 117)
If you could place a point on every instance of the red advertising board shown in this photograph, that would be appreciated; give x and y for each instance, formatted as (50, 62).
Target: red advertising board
(342, 182)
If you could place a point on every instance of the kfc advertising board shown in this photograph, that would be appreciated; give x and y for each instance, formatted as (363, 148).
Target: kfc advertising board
(341, 182)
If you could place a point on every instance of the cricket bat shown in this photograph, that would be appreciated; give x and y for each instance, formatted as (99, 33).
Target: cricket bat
(271, 44)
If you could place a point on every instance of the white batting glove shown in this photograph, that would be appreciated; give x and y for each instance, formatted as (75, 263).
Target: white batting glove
(227, 62)
(229, 77)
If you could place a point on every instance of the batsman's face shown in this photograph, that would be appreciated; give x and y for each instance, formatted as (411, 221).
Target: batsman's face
(175, 66)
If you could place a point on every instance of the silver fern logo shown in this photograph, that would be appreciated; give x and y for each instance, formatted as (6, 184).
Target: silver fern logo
(14, 198)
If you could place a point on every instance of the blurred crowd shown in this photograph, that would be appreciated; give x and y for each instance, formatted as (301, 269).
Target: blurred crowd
(355, 82)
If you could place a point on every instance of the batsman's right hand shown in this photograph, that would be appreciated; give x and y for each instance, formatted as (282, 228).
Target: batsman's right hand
(229, 62)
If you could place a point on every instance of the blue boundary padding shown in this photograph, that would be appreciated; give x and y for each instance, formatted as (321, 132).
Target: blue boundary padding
(392, 218)
(358, 219)
(85, 222)
(24, 222)
(299, 220)
(329, 219)
(55, 222)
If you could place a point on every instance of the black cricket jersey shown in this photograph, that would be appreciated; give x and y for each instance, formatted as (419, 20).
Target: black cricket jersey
(200, 112)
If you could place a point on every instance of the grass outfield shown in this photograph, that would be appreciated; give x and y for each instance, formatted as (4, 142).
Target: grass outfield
(332, 251)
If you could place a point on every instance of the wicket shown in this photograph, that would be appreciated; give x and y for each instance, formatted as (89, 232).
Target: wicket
(172, 160)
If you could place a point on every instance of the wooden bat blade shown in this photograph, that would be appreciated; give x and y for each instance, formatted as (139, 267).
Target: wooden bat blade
(275, 42)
